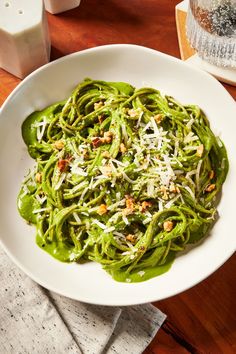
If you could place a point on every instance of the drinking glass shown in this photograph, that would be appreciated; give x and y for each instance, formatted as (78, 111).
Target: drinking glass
(211, 30)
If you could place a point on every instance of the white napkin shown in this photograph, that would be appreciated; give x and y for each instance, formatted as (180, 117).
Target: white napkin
(34, 320)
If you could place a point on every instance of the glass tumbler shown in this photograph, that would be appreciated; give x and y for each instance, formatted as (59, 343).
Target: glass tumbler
(211, 30)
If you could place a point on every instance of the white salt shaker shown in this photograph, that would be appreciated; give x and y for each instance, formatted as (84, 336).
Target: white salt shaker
(57, 6)
(24, 37)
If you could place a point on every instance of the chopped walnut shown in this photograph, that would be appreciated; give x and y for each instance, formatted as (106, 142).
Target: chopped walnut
(163, 189)
(85, 153)
(59, 145)
(133, 113)
(100, 118)
(38, 177)
(210, 187)
(173, 188)
(107, 138)
(96, 142)
(144, 206)
(106, 154)
(164, 193)
(129, 205)
(142, 248)
(102, 209)
(131, 238)
(168, 225)
(106, 170)
(165, 196)
(211, 174)
(127, 211)
(200, 150)
(158, 118)
(98, 105)
(129, 202)
(122, 148)
(62, 165)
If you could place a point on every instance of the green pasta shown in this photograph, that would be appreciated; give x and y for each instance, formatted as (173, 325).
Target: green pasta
(124, 177)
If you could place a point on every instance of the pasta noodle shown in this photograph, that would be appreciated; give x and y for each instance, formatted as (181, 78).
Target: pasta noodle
(124, 177)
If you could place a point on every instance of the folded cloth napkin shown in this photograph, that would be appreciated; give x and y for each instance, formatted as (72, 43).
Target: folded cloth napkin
(35, 320)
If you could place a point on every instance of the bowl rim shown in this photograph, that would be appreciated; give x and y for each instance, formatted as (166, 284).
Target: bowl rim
(152, 298)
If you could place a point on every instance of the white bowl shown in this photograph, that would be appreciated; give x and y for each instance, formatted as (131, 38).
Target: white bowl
(141, 67)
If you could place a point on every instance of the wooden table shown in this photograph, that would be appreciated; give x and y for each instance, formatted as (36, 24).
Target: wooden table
(202, 319)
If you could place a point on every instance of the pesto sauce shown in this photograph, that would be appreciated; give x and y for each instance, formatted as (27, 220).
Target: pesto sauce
(146, 274)
(65, 252)
(60, 251)
(27, 203)
(29, 129)
(123, 87)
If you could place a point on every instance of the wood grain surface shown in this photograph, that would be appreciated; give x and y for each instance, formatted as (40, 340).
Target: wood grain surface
(186, 51)
(202, 319)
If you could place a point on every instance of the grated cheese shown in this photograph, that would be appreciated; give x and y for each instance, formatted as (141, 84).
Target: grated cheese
(79, 186)
(190, 147)
(190, 137)
(190, 191)
(41, 200)
(223, 163)
(76, 170)
(190, 123)
(176, 147)
(126, 221)
(199, 165)
(24, 193)
(119, 234)
(155, 127)
(109, 229)
(178, 172)
(91, 183)
(100, 224)
(124, 133)
(36, 211)
(188, 177)
(93, 209)
(150, 188)
(84, 213)
(139, 119)
(172, 201)
(41, 129)
(127, 178)
(114, 218)
(72, 256)
(118, 195)
(77, 218)
(146, 221)
(147, 126)
(119, 162)
(83, 194)
(177, 160)
(160, 205)
(115, 205)
(61, 180)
